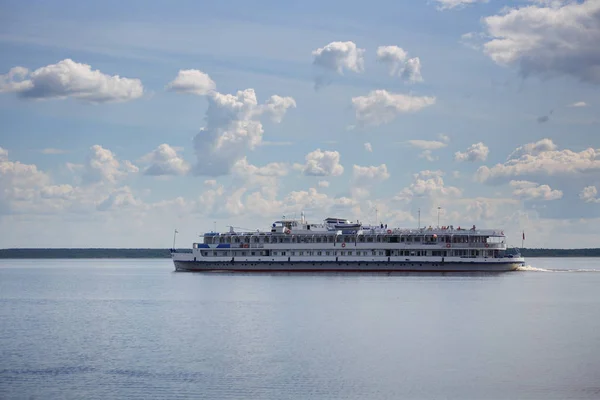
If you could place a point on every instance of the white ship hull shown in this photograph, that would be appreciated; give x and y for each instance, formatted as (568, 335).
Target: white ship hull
(296, 246)
(350, 266)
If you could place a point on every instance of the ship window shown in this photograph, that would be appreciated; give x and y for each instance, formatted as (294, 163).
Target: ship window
(301, 253)
(349, 253)
(381, 253)
(373, 253)
(326, 253)
(293, 253)
(253, 253)
(243, 253)
(214, 253)
(274, 253)
(205, 253)
(318, 253)
(283, 253)
(342, 253)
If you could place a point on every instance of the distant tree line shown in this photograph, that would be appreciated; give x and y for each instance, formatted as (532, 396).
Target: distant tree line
(560, 252)
(165, 253)
(85, 253)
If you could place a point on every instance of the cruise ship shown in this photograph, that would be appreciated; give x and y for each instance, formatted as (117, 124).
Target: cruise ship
(339, 245)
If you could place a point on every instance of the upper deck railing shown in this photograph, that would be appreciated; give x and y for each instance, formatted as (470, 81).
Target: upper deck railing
(367, 231)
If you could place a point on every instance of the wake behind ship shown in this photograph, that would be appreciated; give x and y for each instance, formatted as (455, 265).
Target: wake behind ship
(338, 245)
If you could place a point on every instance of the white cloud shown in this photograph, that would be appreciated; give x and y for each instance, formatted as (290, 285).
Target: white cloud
(102, 166)
(412, 70)
(368, 147)
(339, 56)
(533, 149)
(394, 56)
(57, 191)
(542, 159)
(407, 68)
(548, 38)
(533, 191)
(260, 204)
(234, 204)
(307, 201)
(119, 198)
(68, 78)
(210, 198)
(589, 194)
(265, 179)
(164, 161)
(19, 183)
(578, 104)
(369, 175)
(380, 106)
(14, 80)
(475, 152)
(322, 163)
(276, 107)
(323, 184)
(487, 209)
(427, 183)
(244, 169)
(192, 81)
(233, 128)
(427, 144)
(428, 155)
(449, 4)
(51, 150)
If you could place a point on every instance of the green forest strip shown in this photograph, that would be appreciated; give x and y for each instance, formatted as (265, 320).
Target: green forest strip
(165, 253)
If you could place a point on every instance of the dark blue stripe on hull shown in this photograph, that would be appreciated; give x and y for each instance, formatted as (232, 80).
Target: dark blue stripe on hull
(308, 266)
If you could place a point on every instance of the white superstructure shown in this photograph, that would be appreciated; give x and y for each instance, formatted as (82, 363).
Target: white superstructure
(341, 245)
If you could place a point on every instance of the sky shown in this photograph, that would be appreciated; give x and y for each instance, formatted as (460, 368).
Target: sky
(123, 121)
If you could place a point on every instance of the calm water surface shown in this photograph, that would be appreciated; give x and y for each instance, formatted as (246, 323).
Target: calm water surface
(101, 329)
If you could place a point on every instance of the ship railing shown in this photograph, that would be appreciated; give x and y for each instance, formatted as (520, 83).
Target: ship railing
(439, 231)
(477, 245)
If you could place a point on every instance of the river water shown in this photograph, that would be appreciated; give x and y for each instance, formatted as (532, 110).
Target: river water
(103, 329)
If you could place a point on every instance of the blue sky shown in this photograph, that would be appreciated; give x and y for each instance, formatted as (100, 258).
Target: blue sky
(124, 119)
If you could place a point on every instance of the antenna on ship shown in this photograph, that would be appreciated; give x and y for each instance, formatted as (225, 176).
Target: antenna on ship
(174, 236)
(419, 218)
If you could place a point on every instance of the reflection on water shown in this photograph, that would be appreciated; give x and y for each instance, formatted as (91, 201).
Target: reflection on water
(99, 329)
